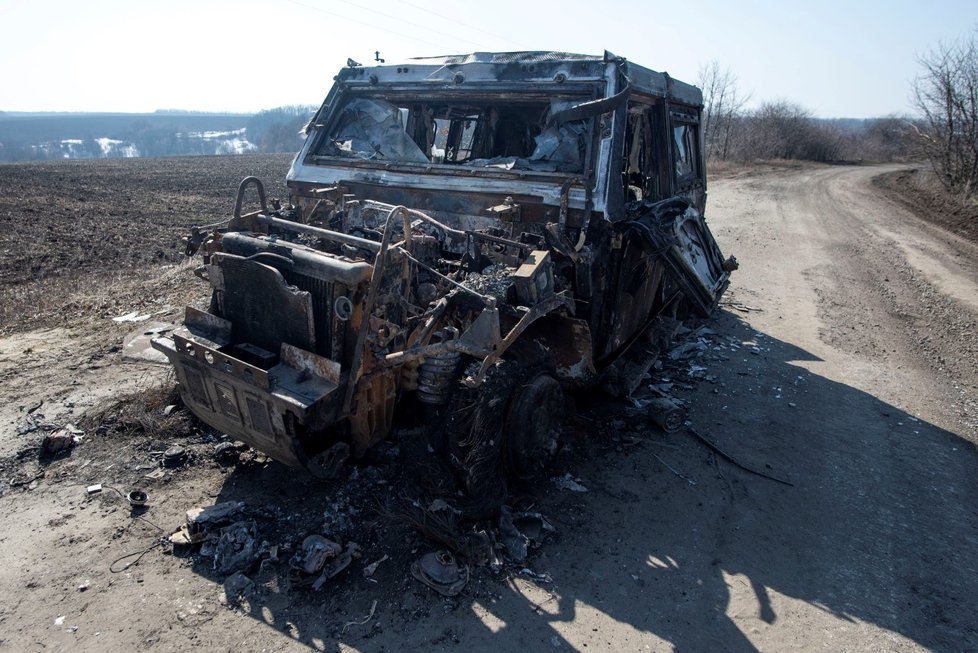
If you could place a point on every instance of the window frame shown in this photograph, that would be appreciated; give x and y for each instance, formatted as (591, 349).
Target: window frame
(474, 97)
(689, 120)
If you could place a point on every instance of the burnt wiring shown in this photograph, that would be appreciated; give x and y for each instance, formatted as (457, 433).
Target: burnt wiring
(430, 269)
(731, 459)
(162, 542)
(138, 554)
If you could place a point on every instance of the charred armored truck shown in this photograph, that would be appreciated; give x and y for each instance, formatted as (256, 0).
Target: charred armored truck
(466, 238)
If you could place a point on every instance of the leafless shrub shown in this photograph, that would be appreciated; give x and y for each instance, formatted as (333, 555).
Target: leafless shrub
(889, 139)
(946, 95)
(722, 105)
(784, 130)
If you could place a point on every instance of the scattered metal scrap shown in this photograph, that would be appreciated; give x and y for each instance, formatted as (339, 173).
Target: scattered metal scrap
(365, 620)
(667, 414)
(568, 482)
(236, 547)
(237, 586)
(369, 570)
(207, 520)
(58, 441)
(522, 531)
(733, 460)
(137, 499)
(440, 571)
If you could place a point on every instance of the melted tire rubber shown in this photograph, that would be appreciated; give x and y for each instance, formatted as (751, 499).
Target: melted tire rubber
(505, 430)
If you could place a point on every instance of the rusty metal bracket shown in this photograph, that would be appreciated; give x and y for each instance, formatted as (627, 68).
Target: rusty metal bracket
(565, 198)
(317, 365)
(588, 206)
(248, 181)
(499, 241)
(482, 336)
(532, 315)
(419, 352)
(509, 210)
(220, 362)
(328, 234)
(590, 108)
(375, 279)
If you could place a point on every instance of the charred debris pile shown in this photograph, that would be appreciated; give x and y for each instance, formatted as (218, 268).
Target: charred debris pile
(320, 534)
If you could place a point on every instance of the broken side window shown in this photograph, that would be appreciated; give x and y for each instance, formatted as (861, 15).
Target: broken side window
(640, 174)
(684, 150)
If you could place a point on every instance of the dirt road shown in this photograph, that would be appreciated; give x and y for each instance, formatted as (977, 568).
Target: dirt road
(844, 361)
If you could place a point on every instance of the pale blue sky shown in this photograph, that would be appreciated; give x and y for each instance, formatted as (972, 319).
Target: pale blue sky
(836, 58)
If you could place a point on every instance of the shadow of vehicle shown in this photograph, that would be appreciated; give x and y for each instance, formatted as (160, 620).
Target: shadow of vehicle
(874, 545)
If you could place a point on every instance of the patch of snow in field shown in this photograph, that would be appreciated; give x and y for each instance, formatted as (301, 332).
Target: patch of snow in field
(115, 148)
(212, 135)
(236, 146)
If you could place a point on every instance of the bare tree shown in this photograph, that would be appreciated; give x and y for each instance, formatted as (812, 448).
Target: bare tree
(946, 95)
(784, 130)
(722, 103)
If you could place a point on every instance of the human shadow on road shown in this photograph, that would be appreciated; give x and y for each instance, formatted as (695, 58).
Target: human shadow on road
(879, 528)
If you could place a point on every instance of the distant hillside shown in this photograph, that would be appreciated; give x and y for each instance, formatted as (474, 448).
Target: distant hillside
(41, 136)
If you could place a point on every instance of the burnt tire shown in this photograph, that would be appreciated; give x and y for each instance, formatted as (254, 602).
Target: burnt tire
(532, 429)
(505, 430)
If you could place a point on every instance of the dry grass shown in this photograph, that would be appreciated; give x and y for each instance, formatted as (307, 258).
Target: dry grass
(918, 190)
(56, 301)
(144, 413)
(716, 170)
(85, 240)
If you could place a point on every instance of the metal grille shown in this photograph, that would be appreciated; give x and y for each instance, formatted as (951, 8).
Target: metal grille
(262, 311)
(322, 309)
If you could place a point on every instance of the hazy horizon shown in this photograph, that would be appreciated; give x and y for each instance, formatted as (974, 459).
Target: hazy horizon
(154, 112)
(834, 58)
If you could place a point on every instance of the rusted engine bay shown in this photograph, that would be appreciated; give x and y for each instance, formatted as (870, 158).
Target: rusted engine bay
(453, 260)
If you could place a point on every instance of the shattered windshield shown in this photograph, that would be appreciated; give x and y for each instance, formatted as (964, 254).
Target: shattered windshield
(510, 136)
(372, 129)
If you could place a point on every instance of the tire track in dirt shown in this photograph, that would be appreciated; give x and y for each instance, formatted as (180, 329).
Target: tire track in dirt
(899, 522)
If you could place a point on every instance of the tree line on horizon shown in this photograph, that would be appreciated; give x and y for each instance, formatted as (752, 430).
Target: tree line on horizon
(782, 129)
(944, 131)
(34, 137)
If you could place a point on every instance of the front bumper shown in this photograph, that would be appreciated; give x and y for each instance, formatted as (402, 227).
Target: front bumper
(268, 409)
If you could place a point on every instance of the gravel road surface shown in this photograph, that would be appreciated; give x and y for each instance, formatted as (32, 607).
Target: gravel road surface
(844, 361)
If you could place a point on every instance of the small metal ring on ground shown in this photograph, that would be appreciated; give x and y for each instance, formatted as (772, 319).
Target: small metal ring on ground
(137, 498)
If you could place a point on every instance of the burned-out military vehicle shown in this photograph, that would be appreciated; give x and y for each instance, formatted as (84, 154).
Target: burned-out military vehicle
(466, 238)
